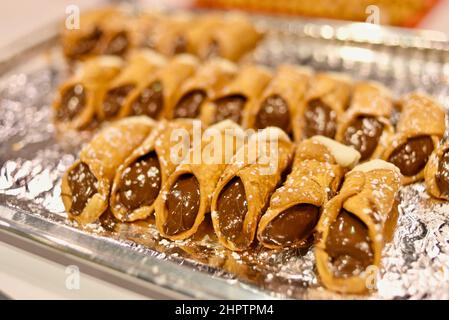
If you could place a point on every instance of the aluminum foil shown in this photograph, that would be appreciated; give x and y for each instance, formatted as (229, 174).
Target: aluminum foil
(415, 265)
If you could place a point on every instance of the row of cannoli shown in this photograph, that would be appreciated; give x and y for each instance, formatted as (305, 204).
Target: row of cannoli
(255, 186)
(112, 31)
(291, 97)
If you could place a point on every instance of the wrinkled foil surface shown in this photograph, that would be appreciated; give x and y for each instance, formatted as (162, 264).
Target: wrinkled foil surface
(415, 265)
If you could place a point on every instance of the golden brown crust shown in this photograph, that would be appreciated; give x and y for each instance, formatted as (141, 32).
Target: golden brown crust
(431, 170)
(141, 64)
(103, 155)
(333, 89)
(368, 192)
(259, 180)
(161, 142)
(290, 82)
(207, 172)
(374, 100)
(171, 76)
(421, 116)
(249, 82)
(94, 74)
(211, 77)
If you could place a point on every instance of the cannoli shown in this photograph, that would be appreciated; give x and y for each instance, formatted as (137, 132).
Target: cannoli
(77, 99)
(139, 178)
(419, 129)
(204, 85)
(436, 172)
(141, 65)
(326, 100)
(169, 37)
(279, 102)
(202, 31)
(318, 168)
(86, 184)
(232, 39)
(86, 39)
(117, 38)
(366, 125)
(156, 95)
(185, 198)
(244, 189)
(355, 226)
(234, 101)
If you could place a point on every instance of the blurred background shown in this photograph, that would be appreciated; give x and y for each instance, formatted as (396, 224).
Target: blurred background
(19, 17)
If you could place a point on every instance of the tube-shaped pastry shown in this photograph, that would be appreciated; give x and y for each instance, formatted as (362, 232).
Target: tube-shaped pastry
(169, 37)
(141, 65)
(77, 98)
(436, 172)
(279, 102)
(326, 100)
(85, 40)
(139, 178)
(117, 37)
(244, 189)
(419, 129)
(232, 39)
(355, 226)
(204, 85)
(185, 198)
(366, 125)
(235, 100)
(86, 184)
(318, 168)
(157, 94)
(201, 32)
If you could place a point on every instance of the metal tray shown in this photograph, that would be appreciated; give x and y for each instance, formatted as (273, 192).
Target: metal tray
(33, 157)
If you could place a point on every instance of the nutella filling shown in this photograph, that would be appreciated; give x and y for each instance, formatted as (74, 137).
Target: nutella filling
(320, 119)
(189, 104)
(87, 43)
(364, 134)
(348, 245)
(118, 44)
(232, 207)
(83, 185)
(73, 101)
(179, 45)
(442, 175)
(292, 225)
(411, 157)
(230, 107)
(150, 101)
(273, 112)
(182, 204)
(115, 98)
(140, 182)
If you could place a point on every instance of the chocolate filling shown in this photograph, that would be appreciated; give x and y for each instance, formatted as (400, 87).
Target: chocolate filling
(320, 119)
(83, 185)
(364, 134)
(442, 175)
(411, 157)
(114, 99)
(118, 44)
(150, 101)
(292, 225)
(273, 112)
(73, 101)
(348, 245)
(230, 107)
(189, 104)
(140, 182)
(232, 207)
(87, 43)
(179, 45)
(183, 204)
